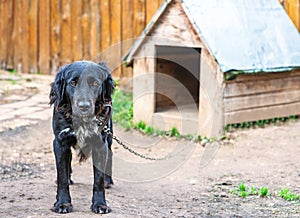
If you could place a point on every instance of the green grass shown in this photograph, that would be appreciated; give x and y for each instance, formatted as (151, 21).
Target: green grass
(260, 123)
(123, 115)
(264, 191)
(122, 109)
(243, 191)
(287, 195)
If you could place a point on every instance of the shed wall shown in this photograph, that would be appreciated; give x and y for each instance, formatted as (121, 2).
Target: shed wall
(262, 96)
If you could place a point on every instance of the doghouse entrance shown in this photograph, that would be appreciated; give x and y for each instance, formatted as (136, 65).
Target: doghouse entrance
(177, 77)
(177, 82)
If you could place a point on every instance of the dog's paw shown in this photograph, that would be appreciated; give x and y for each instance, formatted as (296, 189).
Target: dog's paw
(62, 208)
(101, 209)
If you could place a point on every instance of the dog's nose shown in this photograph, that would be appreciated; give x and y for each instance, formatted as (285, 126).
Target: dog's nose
(84, 105)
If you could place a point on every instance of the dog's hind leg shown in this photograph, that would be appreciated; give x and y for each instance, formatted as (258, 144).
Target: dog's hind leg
(63, 198)
(99, 155)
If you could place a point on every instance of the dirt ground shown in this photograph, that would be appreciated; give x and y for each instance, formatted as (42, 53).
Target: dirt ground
(196, 182)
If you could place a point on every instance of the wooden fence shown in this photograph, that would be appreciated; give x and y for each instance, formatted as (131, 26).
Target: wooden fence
(37, 36)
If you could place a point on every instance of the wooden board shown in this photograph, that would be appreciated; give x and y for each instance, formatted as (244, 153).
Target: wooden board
(94, 28)
(16, 39)
(261, 100)
(292, 7)
(105, 35)
(254, 114)
(115, 26)
(66, 34)
(151, 8)
(33, 33)
(8, 33)
(143, 90)
(55, 35)
(85, 23)
(139, 14)
(127, 33)
(25, 38)
(44, 37)
(283, 83)
(76, 28)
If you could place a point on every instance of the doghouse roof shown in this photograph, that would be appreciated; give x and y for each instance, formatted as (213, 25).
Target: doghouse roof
(242, 35)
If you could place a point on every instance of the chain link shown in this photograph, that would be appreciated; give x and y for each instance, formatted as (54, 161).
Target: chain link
(107, 130)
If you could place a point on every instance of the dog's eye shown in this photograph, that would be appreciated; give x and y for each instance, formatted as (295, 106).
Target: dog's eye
(95, 84)
(73, 83)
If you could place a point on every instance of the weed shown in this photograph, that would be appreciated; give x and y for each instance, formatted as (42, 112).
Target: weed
(260, 123)
(242, 187)
(287, 195)
(264, 191)
(243, 194)
(244, 191)
(12, 81)
(12, 71)
(141, 125)
(254, 190)
(173, 132)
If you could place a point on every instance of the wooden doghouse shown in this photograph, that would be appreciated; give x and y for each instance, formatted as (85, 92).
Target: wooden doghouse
(200, 65)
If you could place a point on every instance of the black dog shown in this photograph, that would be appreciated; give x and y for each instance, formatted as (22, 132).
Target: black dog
(81, 94)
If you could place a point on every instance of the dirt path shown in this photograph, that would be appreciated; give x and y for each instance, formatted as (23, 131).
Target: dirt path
(260, 157)
(194, 182)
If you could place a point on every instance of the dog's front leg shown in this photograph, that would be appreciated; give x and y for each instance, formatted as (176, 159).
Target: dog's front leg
(99, 155)
(62, 156)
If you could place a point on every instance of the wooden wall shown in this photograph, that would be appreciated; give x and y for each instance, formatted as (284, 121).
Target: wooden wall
(37, 36)
(262, 96)
(292, 7)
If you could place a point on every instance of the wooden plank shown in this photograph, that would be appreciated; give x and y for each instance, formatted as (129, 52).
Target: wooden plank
(259, 86)
(1, 26)
(211, 106)
(292, 7)
(66, 32)
(85, 23)
(16, 36)
(8, 19)
(44, 37)
(76, 28)
(263, 113)
(95, 29)
(115, 27)
(261, 100)
(264, 76)
(5, 19)
(33, 40)
(55, 35)
(105, 33)
(139, 16)
(127, 33)
(25, 37)
(151, 8)
(143, 90)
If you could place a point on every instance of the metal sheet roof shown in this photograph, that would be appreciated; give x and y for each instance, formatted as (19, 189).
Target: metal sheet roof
(247, 35)
(243, 35)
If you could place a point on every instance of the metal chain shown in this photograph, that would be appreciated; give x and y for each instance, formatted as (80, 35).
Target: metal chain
(107, 130)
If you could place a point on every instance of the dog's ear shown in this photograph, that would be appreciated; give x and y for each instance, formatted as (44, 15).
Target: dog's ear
(108, 84)
(58, 88)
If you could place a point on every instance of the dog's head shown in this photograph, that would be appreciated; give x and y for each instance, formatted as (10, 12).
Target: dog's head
(84, 85)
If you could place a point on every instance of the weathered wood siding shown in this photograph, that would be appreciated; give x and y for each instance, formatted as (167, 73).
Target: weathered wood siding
(262, 96)
(41, 35)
